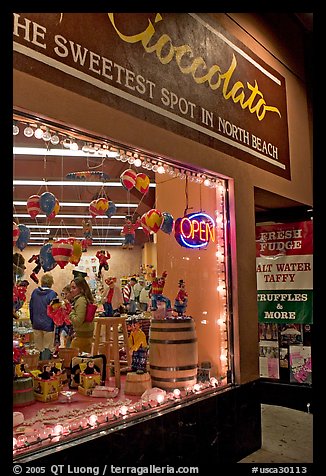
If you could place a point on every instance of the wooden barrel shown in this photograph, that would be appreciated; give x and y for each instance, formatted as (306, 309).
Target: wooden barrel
(173, 353)
(23, 393)
(31, 361)
(66, 354)
(136, 384)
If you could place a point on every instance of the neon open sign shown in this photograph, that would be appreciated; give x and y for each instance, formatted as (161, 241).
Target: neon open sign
(195, 230)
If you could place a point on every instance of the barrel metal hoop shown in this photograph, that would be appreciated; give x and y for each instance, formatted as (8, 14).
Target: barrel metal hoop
(171, 369)
(184, 341)
(174, 329)
(181, 379)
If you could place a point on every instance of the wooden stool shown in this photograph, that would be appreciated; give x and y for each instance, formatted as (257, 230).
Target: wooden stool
(111, 325)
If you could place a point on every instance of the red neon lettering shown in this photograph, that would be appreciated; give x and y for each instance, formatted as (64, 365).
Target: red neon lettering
(181, 227)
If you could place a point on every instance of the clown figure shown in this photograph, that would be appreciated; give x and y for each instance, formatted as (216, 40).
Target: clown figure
(181, 300)
(103, 257)
(157, 290)
(128, 231)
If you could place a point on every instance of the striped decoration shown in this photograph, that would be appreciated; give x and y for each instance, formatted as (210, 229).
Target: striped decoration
(61, 252)
(33, 205)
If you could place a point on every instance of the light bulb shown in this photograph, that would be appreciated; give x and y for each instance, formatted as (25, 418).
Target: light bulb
(74, 146)
(160, 398)
(207, 182)
(131, 160)
(160, 169)
(15, 130)
(92, 420)
(155, 168)
(46, 136)
(137, 163)
(38, 133)
(66, 143)
(124, 410)
(28, 131)
(58, 430)
(54, 139)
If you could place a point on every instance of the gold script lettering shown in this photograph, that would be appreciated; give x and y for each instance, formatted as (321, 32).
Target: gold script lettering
(197, 67)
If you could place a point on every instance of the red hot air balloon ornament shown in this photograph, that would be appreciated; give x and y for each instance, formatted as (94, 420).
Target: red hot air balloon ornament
(128, 179)
(92, 208)
(62, 251)
(33, 205)
(144, 226)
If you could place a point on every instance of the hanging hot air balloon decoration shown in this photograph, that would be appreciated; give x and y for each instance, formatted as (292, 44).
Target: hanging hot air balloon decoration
(154, 219)
(62, 251)
(33, 205)
(167, 223)
(23, 238)
(55, 210)
(15, 233)
(46, 258)
(128, 179)
(142, 183)
(47, 203)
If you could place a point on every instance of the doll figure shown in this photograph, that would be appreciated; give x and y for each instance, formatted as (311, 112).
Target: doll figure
(91, 368)
(37, 268)
(128, 231)
(181, 300)
(157, 290)
(137, 347)
(103, 257)
(19, 294)
(46, 374)
(87, 229)
(54, 369)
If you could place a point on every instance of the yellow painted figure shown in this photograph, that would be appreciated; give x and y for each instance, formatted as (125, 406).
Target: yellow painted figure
(137, 347)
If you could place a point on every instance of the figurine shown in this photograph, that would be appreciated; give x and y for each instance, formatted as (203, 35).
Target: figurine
(137, 346)
(181, 300)
(91, 368)
(46, 374)
(157, 290)
(103, 257)
(37, 268)
(128, 231)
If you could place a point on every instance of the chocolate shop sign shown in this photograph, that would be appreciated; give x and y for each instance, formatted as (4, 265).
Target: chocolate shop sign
(180, 71)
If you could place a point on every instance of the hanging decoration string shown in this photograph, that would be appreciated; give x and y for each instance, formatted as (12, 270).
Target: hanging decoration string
(187, 196)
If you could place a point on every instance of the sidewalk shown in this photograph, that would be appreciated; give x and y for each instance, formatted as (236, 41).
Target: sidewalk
(287, 437)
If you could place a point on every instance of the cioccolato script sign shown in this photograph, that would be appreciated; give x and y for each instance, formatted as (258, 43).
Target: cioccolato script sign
(180, 71)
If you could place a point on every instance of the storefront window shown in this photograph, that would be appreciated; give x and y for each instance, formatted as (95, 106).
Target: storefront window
(164, 224)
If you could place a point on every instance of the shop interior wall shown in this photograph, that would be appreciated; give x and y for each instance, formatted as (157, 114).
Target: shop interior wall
(34, 95)
(122, 263)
